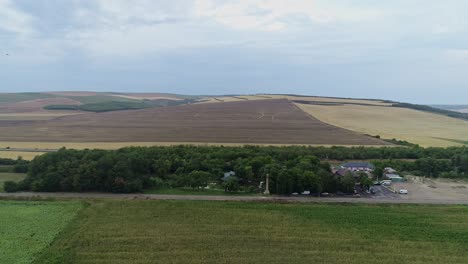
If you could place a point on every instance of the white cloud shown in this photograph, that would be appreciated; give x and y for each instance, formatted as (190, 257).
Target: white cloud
(271, 15)
(13, 20)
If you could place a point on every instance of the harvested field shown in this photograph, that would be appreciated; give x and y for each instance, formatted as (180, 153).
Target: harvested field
(262, 122)
(425, 129)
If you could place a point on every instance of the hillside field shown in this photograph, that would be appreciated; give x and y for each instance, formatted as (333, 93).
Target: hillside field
(261, 122)
(425, 129)
(262, 119)
(123, 231)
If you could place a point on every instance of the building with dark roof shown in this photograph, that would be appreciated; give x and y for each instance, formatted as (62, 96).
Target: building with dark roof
(358, 166)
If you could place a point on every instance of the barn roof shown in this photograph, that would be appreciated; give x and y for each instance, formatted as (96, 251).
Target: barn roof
(358, 165)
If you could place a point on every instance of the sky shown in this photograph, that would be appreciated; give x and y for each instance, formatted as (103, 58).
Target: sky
(404, 50)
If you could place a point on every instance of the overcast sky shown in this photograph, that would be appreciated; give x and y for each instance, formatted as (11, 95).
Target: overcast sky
(407, 50)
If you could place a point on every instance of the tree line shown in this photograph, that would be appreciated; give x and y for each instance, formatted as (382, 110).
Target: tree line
(290, 169)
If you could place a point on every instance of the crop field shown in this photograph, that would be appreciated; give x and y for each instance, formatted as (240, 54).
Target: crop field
(137, 231)
(425, 129)
(16, 177)
(26, 155)
(261, 122)
(28, 227)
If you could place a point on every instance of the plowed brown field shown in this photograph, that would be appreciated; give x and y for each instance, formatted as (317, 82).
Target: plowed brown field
(262, 122)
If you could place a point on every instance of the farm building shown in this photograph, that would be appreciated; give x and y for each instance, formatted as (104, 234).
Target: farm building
(358, 166)
(341, 172)
(394, 177)
(228, 175)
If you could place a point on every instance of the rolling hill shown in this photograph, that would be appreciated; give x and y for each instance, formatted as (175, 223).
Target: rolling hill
(262, 122)
(230, 119)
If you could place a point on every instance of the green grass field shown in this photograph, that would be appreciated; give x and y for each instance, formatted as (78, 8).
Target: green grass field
(116, 231)
(16, 177)
(27, 228)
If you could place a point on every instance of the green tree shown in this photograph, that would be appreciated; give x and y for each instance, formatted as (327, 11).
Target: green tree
(311, 182)
(231, 185)
(347, 183)
(197, 179)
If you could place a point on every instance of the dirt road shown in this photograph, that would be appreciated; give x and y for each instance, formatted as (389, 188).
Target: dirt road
(232, 198)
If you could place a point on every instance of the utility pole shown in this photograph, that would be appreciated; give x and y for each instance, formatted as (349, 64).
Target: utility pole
(267, 185)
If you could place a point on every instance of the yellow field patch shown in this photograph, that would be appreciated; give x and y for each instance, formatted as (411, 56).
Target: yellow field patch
(16, 154)
(414, 126)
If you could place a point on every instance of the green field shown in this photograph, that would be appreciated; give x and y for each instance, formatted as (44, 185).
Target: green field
(114, 231)
(27, 228)
(16, 177)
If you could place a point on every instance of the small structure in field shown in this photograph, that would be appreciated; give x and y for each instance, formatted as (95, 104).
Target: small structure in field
(228, 175)
(358, 166)
(394, 177)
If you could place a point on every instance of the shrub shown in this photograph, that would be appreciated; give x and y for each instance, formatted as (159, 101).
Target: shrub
(10, 186)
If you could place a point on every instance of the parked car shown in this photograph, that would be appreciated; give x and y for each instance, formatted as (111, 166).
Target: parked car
(403, 191)
(386, 182)
(324, 194)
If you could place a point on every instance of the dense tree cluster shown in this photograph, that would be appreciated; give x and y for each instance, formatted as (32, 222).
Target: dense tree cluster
(290, 169)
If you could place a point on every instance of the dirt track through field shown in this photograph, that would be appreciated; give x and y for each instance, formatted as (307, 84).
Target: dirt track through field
(281, 122)
(279, 199)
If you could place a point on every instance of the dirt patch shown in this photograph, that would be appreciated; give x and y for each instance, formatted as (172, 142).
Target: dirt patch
(280, 122)
(433, 189)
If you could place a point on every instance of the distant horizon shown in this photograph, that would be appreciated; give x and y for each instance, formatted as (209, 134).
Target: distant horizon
(221, 95)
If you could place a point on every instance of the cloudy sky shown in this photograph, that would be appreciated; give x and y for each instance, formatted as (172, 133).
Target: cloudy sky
(407, 50)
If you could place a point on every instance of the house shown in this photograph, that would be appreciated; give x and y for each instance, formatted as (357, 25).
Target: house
(394, 177)
(358, 166)
(228, 175)
(341, 172)
(390, 170)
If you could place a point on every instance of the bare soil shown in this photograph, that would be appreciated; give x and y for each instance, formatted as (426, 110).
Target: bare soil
(263, 122)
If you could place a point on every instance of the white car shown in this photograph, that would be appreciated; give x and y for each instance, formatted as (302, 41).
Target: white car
(403, 191)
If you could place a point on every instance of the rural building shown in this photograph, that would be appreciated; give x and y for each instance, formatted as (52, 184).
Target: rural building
(228, 175)
(358, 166)
(394, 177)
(342, 172)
